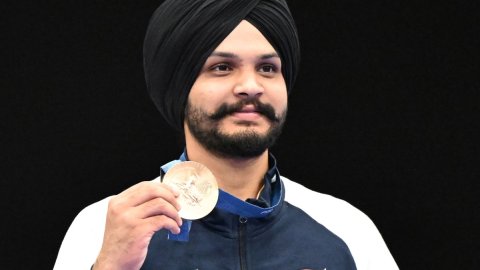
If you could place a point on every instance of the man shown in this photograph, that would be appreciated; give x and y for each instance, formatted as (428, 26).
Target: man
(221, 71)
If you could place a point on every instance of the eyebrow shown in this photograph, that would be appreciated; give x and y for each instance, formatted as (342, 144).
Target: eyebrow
(232, 55)
(269, 55)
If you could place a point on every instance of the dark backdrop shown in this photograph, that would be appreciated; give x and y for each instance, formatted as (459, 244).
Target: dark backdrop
(383, 115)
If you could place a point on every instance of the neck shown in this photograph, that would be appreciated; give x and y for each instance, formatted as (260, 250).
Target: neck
(241, 177)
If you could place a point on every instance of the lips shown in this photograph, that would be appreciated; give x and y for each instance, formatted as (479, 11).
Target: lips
(247, 109)
(247, 113)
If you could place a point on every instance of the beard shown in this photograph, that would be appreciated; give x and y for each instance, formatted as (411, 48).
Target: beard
(243, 144)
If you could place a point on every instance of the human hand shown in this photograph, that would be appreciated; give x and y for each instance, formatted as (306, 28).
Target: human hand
(133, 217)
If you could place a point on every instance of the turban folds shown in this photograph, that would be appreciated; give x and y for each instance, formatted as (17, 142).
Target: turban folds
(183, 33)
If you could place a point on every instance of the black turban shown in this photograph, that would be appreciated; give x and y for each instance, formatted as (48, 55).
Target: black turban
(183, 33)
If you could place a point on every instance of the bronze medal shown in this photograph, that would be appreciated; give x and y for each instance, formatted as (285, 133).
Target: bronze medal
(197, 187)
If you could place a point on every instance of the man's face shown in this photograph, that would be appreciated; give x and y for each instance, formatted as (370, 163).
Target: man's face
(238, 104)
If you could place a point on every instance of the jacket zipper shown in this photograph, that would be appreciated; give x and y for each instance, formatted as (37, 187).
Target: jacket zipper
(242, 225)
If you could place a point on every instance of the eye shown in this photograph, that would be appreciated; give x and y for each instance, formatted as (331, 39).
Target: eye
(221, 68)
(268, 68)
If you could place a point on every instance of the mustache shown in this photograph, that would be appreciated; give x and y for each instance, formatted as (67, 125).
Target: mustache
(264, 109)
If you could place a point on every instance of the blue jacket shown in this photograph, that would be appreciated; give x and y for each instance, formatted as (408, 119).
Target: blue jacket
(287, 239)
(305, 230)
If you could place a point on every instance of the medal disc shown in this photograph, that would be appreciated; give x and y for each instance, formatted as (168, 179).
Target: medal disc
(197, 187)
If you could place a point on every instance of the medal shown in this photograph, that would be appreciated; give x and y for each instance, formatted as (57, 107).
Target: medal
(197, 187)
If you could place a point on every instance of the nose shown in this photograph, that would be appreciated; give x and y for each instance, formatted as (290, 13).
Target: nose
(248, 85)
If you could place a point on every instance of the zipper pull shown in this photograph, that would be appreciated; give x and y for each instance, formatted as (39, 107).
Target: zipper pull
(243, 220)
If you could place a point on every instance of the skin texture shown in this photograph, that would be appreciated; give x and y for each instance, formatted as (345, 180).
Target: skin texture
(133, 217)
(243, 66)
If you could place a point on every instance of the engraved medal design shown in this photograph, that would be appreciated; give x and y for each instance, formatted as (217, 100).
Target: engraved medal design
(197, 187)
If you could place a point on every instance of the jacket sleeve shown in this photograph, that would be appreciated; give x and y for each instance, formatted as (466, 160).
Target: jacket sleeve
(354, 227)
(83, 239)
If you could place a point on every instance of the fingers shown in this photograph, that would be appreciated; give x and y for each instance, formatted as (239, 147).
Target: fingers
(145, 200)
(157, 223)
(133, 217)
(156, 207)
(146, 191)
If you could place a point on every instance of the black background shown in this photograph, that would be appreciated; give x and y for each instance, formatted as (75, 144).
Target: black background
(384, 115)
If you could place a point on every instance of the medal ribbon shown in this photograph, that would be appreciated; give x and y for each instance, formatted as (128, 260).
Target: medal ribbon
(229, 203)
